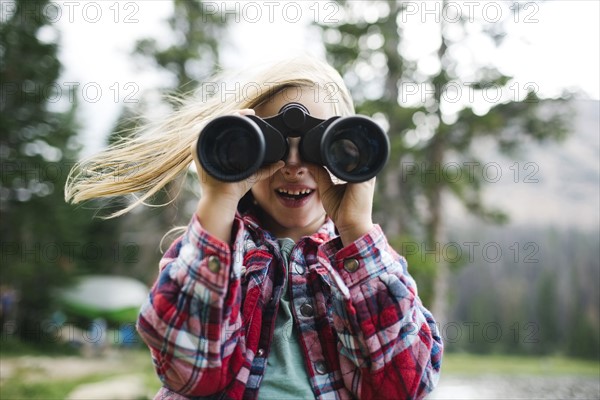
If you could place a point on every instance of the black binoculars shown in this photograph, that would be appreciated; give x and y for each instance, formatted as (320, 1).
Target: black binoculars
(232, 148)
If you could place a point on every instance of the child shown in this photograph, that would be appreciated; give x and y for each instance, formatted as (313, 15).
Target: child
(281, 286)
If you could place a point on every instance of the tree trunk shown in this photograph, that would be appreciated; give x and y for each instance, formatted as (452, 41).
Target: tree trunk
(391, 177)
(436, 236)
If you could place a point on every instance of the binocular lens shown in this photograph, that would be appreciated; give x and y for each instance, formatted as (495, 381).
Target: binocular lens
(345, 155)
(231, 148)
(233, 151)
(355, 149)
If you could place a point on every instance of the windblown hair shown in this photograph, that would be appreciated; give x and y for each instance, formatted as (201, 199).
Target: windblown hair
(142, 163)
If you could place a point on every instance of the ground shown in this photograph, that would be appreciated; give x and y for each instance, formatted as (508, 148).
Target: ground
(128, 374)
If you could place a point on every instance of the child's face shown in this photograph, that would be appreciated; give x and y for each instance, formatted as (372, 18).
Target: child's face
(289, 198)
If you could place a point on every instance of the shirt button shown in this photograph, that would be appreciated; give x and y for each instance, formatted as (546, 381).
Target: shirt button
(260, 353)
(306, 310)
(214, 265)
(320, 367)
(351, 264)
(299, 269)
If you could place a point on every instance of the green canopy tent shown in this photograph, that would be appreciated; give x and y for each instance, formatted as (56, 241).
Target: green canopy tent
(115, 298)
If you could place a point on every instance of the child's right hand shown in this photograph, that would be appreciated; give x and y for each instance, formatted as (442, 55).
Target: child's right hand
(219, 200)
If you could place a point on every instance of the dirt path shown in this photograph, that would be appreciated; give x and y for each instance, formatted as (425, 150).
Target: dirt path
(128, 387)
(35, 368)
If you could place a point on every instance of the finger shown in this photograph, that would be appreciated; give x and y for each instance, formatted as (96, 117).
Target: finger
(245, 111)
(365, 185)
(362, 190)
(322, 177)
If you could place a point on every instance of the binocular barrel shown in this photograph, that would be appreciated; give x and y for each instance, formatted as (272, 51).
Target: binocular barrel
(232, 148)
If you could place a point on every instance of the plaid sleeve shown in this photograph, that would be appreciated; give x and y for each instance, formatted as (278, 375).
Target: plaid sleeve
(191, 320)
(389, 343)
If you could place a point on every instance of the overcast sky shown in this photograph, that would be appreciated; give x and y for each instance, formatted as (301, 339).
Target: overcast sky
(554, 45)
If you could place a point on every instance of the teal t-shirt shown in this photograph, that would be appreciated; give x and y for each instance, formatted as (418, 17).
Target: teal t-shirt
(285, 376)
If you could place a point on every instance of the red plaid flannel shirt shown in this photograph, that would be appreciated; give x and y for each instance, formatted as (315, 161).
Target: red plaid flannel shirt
(210, 316)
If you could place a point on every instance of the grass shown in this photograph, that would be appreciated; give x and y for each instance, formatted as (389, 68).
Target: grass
(10, 347)
(19, 388)
(28, 380)
(474, 364)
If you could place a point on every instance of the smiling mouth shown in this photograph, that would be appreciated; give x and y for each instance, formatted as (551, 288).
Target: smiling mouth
(294, 194)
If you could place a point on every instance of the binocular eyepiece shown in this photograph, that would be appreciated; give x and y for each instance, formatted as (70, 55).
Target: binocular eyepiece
(232, 148)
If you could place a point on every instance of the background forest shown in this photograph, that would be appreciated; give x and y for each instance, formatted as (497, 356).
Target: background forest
(491, 192)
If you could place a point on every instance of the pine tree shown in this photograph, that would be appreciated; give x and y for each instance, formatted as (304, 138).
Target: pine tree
(44, 242)
(430, 130)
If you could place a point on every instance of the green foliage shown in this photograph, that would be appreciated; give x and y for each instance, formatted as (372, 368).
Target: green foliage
(583, 338)
(532, 300)
(44, 242)
(547, 309)
(34, 142)
(12, 347)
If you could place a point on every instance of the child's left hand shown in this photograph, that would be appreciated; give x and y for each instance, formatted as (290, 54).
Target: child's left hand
(349, 205)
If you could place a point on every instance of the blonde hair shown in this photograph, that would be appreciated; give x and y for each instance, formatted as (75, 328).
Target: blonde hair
(142, 164)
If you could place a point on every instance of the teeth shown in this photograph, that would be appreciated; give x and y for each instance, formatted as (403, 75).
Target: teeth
(294, 192)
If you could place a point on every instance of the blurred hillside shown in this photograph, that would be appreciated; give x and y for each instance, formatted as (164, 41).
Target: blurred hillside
(547, 185)
(531, 285)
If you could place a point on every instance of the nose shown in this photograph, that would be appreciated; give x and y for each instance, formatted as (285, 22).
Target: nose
(293, 163)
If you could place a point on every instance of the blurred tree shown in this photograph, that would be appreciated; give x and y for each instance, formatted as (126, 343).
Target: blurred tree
(547, 308)
(546, 305)
(437, 105)
(194, 55)
(44, 242)
(191, 55)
